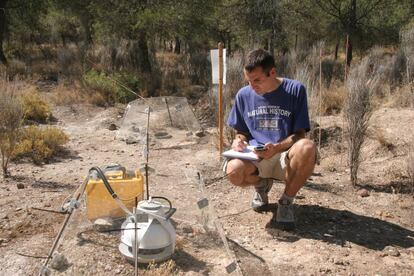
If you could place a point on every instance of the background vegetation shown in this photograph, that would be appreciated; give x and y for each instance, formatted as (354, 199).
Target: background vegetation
(96, 51)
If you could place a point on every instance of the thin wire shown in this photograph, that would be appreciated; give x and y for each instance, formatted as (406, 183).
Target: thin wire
(31, 256)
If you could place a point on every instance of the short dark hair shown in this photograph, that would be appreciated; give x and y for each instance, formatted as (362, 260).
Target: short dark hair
(259, 58)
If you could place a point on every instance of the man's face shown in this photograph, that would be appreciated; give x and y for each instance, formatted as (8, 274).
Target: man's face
(259, 81)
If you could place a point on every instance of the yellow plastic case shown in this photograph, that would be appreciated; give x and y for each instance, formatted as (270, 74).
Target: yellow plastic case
(100, 204)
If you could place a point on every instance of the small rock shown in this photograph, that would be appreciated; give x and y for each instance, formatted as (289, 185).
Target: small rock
(363, 193)
(18, 209)
(112, 127)
(20, 186)
(339, 262)
(391, 251)
(103, 224)
(5, 216)
(162, 135)
(131, 140)
(59, 262)
(187, 229)
(135, 129)
(200, 133)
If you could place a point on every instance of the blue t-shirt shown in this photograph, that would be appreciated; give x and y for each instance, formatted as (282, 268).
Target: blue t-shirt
(273, 116)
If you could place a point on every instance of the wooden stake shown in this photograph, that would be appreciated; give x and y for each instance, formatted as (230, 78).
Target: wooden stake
(220, 96)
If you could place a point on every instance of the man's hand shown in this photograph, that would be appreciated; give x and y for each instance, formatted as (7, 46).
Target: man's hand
(239, 144)
(270, 150)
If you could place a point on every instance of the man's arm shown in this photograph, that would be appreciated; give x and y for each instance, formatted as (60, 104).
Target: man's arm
(289, 141)
(272, 149)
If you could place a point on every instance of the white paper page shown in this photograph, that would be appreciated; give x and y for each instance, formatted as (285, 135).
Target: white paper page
(247, 154)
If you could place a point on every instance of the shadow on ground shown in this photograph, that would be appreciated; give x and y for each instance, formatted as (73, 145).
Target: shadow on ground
(187, 262)
(30, 181)
(394, 187)
(342, 227)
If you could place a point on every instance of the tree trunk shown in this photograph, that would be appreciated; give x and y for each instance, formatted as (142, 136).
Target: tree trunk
(271, 46)
(144, 59)
(296, 42)
(336, 50)
(349, 53)
(228, 44)
(3, 22)
(86, 26)
(177, 49)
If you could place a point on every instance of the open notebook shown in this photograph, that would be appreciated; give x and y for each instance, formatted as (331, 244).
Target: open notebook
(247, 154)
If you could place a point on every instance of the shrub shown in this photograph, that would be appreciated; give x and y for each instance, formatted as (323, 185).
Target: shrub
(234, 81)
(16, 68)
(11, 116)
(407, 45)
(35, 108)
(198, 67)
(68, 60)
(333, 100)
(403, 96)
(358, 111)
(40, 144)
(397, 68)
(304, 74)
(113, 88)
(331, 70)
(67, 95)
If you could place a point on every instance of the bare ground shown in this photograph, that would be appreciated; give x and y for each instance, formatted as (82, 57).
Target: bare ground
(338, 232)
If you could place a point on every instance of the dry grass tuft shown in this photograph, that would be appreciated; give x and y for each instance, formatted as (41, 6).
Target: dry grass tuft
(164, 269)
(407, 45)
(11, 117)
(333, 100)
(35, 108)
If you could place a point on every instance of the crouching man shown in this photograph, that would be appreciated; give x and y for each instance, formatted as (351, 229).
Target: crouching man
(271, 111)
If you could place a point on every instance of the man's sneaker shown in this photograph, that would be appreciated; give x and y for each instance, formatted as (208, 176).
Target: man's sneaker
(260, 198)
(284, 216)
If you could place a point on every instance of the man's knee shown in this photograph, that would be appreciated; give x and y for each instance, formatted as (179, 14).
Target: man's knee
(235, 172)
(305, 149)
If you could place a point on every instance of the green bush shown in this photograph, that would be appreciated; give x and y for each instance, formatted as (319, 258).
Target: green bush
(35, 108)
(114, 87)
(40, 144)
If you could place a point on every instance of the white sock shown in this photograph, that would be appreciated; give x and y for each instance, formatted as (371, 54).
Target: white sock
(287, 198)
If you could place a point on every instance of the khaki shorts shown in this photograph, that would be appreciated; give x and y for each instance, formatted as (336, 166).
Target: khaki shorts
(274, 167)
